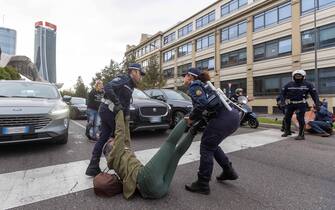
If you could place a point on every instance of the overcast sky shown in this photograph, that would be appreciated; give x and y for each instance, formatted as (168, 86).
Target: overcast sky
(91, 32)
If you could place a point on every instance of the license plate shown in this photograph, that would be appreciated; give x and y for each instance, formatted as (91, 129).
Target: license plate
(155, 119)
(15, 130)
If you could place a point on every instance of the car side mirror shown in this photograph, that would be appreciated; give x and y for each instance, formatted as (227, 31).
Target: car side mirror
(67, 99)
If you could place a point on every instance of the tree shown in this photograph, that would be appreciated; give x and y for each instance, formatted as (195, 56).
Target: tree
(68, 92)
(127, 61)
(108, 73)
(80, 89)
(9, 73)
(153, 76)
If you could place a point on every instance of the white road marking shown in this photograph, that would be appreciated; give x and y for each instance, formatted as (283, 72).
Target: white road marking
(24, 187)
(77, 123)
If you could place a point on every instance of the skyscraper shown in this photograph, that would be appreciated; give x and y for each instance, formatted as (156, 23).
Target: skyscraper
(45, 50)
(8, 41)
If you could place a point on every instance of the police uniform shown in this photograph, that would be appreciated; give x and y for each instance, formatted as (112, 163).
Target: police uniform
(294, 95)
(118, 96)
(221, 123)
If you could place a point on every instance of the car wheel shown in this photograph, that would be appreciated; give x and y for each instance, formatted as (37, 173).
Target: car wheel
(177, 116)
(63, 139)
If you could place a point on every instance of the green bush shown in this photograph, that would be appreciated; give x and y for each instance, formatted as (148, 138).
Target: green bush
(9, 73)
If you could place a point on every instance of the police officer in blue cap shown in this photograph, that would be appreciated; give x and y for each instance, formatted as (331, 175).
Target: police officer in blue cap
(294, 95)
(118, 95)
(220, 124)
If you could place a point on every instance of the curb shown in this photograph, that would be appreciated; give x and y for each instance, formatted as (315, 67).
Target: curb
(268, 125)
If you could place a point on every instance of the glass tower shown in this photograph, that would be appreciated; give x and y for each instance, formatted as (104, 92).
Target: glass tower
(8, 41)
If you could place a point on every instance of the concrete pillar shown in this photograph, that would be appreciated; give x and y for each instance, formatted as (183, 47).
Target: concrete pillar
(217, 58)
(296, 36)
(250, 57)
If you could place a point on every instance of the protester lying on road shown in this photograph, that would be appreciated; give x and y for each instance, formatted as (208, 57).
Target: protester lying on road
(322, 125)
(152, 180)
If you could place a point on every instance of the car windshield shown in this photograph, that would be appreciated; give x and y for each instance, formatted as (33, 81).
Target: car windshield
(176, 95)
(28, 90)
(139, 94)
(78, 100)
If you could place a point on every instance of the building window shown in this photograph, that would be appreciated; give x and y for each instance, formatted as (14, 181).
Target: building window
(308, 5)
(325, 34)
(273, 16)
(232, 6)
(168, 56)
(270, 85)
(327, 80)
(185, 30)
(183, 69)
(205, 42)
(273, 49)
(168, 73)
(205, 20)
(185, 49)
(234, 31)
(234, 58)
(229, 87)
(205, 64)
(169, 38)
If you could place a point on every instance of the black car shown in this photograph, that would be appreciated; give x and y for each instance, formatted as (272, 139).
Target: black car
(180, 102)
(148, 114)
(78, 108)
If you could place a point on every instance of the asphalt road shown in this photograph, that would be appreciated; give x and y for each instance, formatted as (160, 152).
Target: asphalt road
(286, 174)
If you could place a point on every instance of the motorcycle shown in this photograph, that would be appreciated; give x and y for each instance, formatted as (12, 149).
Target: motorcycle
(248, 115)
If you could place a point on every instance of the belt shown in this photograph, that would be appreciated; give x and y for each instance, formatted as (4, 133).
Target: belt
(288, 101)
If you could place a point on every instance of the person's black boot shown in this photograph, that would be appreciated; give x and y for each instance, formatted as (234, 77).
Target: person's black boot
(301, 135)
(93, 168)
(287, 133)
(228, 173)
(200, 186)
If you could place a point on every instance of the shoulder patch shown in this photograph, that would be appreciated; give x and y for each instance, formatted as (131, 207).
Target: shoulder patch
(198, 92)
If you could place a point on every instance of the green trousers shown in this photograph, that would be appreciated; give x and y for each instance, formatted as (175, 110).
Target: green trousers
(155, 177)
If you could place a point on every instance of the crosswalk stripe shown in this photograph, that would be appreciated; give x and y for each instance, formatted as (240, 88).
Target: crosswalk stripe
(29, 186)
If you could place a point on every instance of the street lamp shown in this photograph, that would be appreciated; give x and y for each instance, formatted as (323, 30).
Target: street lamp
(316, 74)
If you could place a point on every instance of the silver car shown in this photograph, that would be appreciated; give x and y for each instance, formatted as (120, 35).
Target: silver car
(32, 111)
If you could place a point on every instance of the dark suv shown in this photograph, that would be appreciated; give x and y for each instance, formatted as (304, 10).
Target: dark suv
(180, 103)
(148, 114)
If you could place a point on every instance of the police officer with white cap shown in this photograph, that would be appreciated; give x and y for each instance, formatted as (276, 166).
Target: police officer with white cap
(294, 95)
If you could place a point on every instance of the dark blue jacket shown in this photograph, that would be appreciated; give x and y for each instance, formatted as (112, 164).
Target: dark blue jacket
(323, 115)
(120, 91)
(299, 91)
(203, 99)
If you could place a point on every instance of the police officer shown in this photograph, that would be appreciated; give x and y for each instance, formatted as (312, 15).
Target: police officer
(294, 95)
(221, 123)
(238, 93)
(281, 107)
(117, 96)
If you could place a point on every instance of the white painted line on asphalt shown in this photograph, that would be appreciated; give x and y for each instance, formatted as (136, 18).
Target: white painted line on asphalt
(24, 187)
(77, 123)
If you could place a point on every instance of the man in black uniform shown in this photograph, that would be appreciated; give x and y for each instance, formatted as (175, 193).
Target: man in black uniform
(294, 95)
(238, 93)
(118, 95)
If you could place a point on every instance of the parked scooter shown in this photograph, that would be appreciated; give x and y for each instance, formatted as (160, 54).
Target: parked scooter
(248, 116)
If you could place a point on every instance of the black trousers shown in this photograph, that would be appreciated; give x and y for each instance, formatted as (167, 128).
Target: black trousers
(300, 110)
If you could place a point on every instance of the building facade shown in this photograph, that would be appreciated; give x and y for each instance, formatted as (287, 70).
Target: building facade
(255, 45)
(8, 41)
(45, 50)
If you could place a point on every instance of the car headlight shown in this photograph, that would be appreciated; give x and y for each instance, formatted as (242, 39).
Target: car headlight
(60, 109)
(132, 108)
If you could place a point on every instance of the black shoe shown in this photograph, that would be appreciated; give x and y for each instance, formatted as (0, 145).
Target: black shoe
(286, 134)
(200, 186)
(300, 138)
(228, 174)
(93, 168)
